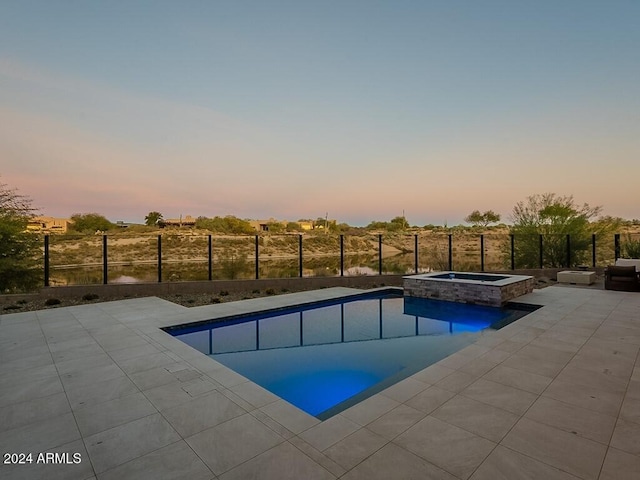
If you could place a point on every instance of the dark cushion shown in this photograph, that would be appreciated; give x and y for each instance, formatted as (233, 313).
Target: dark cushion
(615, 271)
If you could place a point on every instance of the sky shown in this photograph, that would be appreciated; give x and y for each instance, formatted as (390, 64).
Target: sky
(361, 110)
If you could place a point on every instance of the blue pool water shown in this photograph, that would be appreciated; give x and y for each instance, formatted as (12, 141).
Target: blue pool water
(325, 358)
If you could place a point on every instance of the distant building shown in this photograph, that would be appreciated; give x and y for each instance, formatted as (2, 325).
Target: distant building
(187, 221)
(263, 225)
(49, 225)
(305, 225)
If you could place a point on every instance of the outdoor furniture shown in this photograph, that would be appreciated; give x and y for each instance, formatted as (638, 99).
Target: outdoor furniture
(577, 277)
(626, 262)
(624, 279)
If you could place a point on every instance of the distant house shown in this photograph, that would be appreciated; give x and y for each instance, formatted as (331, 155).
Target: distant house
(187, 221)
(49, 225)
(305, 225)
(263, 225)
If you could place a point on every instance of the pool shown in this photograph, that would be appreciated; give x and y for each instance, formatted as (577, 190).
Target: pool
(325, 358)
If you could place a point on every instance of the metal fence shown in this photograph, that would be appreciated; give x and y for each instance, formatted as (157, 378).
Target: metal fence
(70, 260)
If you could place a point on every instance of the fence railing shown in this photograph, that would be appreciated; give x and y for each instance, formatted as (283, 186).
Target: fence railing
(174, 257)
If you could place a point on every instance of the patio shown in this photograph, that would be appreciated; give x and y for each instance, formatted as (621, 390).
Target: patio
(555, 395)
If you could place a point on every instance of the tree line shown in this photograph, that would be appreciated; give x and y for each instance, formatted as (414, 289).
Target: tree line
(548, 215)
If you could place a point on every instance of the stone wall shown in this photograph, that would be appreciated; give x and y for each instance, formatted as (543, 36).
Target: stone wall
(467, 292)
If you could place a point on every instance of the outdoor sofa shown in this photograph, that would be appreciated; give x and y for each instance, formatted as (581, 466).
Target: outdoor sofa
(624, 279)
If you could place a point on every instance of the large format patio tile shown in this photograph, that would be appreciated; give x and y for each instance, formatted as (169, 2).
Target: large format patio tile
(173, 462)
(201, 413)
(393, 461)
(331, 431)
(476, 417)
(507, 398)
(39, 409)
(96, 418)
(585, 396)
(118, 445)
(100, 392)
(40, 436)
(393, 423)
(620, 465)
(572, 419)
(529, 382)
(283, 462)
(355, 448)
(626, 437)
(430, 399)
(290, 417)
(506, 464)
(227, 445)
(568, 452)
(370, 409)
(446, 446)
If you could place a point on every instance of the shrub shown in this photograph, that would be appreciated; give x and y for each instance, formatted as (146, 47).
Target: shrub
(12, 307)
(52, 301)
(215, 300)
(90, 296)
(256, 291)
(270, 291)
(631, 248)
(224, 293)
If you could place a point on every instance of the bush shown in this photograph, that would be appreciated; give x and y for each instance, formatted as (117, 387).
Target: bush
(270, 291)
(52, 301)
(224, 293)
(19, 250)
(215, 300)
(631, 248)
(90, 296)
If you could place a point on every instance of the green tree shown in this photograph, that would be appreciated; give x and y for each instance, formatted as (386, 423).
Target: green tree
(228, 224)
(19, 249)
(90, 223)
(398, 223)
(482, 219)
(153, 219)
(294, 227)
(554, 217)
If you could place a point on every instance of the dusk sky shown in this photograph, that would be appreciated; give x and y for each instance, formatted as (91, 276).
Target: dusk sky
(295, 109)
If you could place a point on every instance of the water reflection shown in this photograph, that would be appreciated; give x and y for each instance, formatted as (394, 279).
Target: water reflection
(233, 268)
(352, 321)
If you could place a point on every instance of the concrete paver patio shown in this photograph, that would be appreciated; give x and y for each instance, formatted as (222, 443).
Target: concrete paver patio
(555, 395)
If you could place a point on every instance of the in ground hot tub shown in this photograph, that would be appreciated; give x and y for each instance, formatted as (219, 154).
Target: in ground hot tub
(477, 288)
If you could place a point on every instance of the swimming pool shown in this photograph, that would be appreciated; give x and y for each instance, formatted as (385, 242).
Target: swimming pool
(325, 358)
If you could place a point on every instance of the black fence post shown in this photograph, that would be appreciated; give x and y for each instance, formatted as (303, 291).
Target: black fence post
(415, 250)
(616, 242)
(568, 250)
(450, 251)
(541, 259)
(379, 254)
(300, 253)
(481, 252)
(210, 256)
(342, 255)
(46, 260)
(593, 249)
(105, 266)
(159, 258)
(257, 260)
(513, 252)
